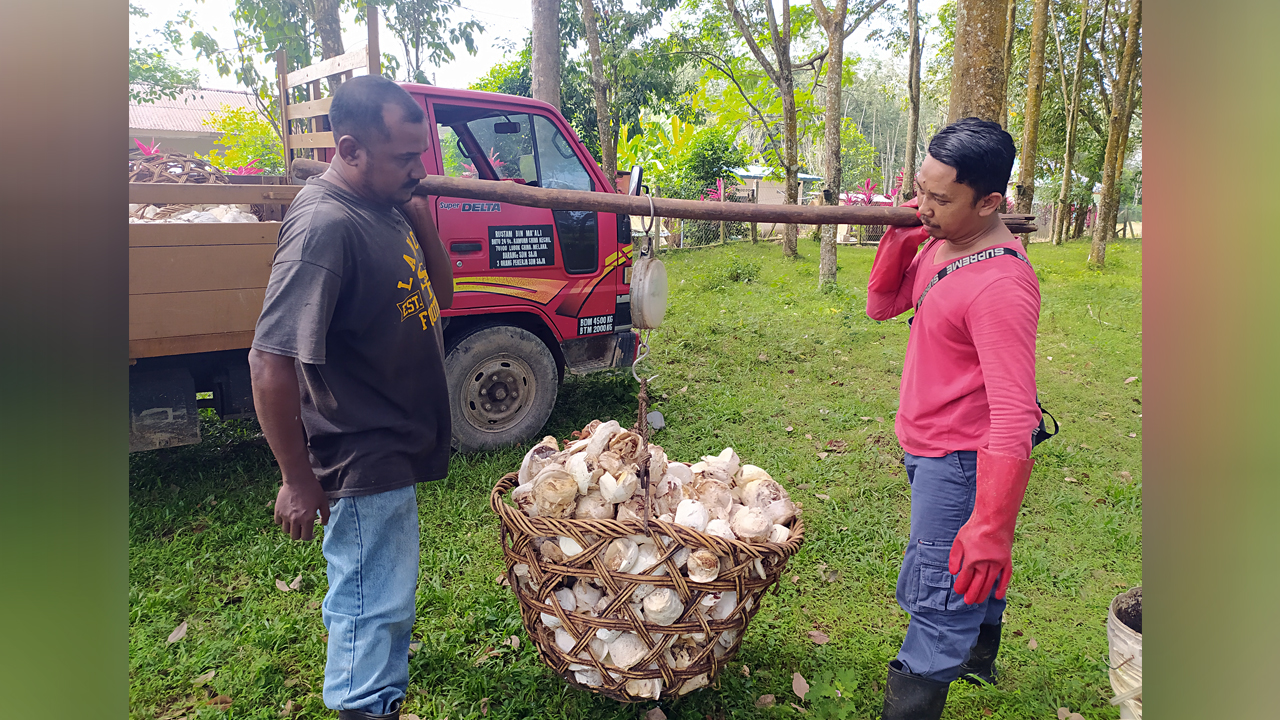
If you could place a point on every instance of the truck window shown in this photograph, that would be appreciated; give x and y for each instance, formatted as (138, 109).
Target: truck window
(486, 143)
(561, 167)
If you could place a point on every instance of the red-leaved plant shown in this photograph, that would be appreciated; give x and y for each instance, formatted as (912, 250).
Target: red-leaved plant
(246, 169)
(151, 149)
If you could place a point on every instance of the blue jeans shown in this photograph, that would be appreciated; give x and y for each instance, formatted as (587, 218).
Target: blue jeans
(943, 628)
(371, 546)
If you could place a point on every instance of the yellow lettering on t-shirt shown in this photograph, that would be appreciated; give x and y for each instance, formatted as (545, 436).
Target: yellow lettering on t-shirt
(413, 262)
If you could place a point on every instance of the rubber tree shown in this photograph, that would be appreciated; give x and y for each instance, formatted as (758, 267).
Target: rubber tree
(908, 188)
(1010, 32)
(832, 20)
(978, 84)
(545, 65)
(1026, 187)
(1117, 132)
(1061, 220)
(600, 91)
(782, 74)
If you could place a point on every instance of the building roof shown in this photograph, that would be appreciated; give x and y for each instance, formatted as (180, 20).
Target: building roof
(187, 112)
(756, 172)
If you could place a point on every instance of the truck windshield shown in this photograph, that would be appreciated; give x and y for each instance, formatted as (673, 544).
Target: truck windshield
(489, 144)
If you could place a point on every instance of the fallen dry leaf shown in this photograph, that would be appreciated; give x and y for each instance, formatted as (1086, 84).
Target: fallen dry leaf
(1018, 633)
(410, 716)
(765, 701)
(879, 419)
(790, 429)
(986, 712)
(684, 389)
(501, 579)
(1075, 716)
(1129, 380)
(178, 633)
(287, 710)
(1071, 480)
(1032, 644)
(281, 586)
(746, 671)
(1063, 713)
(799, 685)
(762, 357)
(818, 637)
(202, 679)
(863, 417)
(221, 702)
(822, 496)
(795, 579)
(313, 604)
(512, 641)
(832, 576)
(807, 436)
(484, 706)
(291, 682)
(1125, 476)
(297, 582)
(1133, 435)
(837, 445)
(655, 714)
(823, 455)
(799, 709)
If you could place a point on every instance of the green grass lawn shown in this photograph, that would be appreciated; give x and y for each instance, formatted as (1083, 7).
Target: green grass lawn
(771, 367)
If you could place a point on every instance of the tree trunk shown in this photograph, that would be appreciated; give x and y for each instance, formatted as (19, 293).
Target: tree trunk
(545, 70)
(833, 24)
(1010, 30)
(790, 152)
(329, 28)
(1026, 186)
(908, 190)
(1105, 225)
(1073, 120)
(600, 86)
(1082, 217)
(977, 70)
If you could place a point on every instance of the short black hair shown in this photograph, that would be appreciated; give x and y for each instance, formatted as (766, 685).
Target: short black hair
(981, 152)
(357, 106)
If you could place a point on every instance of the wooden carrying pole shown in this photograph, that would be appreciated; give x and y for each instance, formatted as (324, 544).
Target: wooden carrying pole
(557, 199)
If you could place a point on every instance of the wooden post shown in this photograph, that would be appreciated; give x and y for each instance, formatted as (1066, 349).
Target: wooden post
(282, 70)
(755, 200)
(724, 227)
(375, 51)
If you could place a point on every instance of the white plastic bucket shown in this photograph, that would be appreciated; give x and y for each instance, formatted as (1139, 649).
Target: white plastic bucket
(1125, 665)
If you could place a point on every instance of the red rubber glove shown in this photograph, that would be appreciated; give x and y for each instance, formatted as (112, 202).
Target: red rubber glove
(983, 549)
(897, 249)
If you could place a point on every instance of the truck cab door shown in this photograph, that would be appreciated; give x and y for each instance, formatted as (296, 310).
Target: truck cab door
(506, 254)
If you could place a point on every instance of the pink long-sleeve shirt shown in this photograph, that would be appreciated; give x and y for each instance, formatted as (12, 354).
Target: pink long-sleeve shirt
(969, 377)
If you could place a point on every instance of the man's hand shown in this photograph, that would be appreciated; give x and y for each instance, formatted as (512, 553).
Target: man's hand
(439, 267)
(296, 506)
(982, 552)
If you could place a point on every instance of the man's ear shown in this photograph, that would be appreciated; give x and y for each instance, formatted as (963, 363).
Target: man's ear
(989, 204)
(351, 151)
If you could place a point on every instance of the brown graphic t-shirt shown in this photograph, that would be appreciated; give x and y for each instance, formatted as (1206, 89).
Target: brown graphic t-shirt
(349, 297)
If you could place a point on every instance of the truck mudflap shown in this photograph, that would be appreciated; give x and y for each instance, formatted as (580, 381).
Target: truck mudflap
(600, 352)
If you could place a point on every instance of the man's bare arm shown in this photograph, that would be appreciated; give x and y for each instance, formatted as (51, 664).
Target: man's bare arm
(418, 210)
(279, 408)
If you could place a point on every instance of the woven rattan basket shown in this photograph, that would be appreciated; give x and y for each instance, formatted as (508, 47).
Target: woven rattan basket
(749, 569)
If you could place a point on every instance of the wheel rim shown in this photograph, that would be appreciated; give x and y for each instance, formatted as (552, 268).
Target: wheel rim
(497, 393)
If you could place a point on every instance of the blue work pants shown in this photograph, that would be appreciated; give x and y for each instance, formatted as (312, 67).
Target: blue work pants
(943, 629)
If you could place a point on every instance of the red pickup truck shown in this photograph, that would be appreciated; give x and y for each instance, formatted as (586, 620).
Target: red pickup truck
(537, 291)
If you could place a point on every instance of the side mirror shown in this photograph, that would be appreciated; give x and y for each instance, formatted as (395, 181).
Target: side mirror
(637, 176)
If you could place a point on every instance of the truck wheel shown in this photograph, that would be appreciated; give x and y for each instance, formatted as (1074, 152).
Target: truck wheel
(502, 387)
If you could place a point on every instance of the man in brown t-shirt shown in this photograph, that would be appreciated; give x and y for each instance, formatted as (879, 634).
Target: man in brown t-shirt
(349, 385)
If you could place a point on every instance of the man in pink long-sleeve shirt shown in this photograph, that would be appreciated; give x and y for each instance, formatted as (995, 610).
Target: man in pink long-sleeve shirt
(967, 410)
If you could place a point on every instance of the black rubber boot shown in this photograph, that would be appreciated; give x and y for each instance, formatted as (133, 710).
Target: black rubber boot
(911, 697)
(981, 665)
(362, 715)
